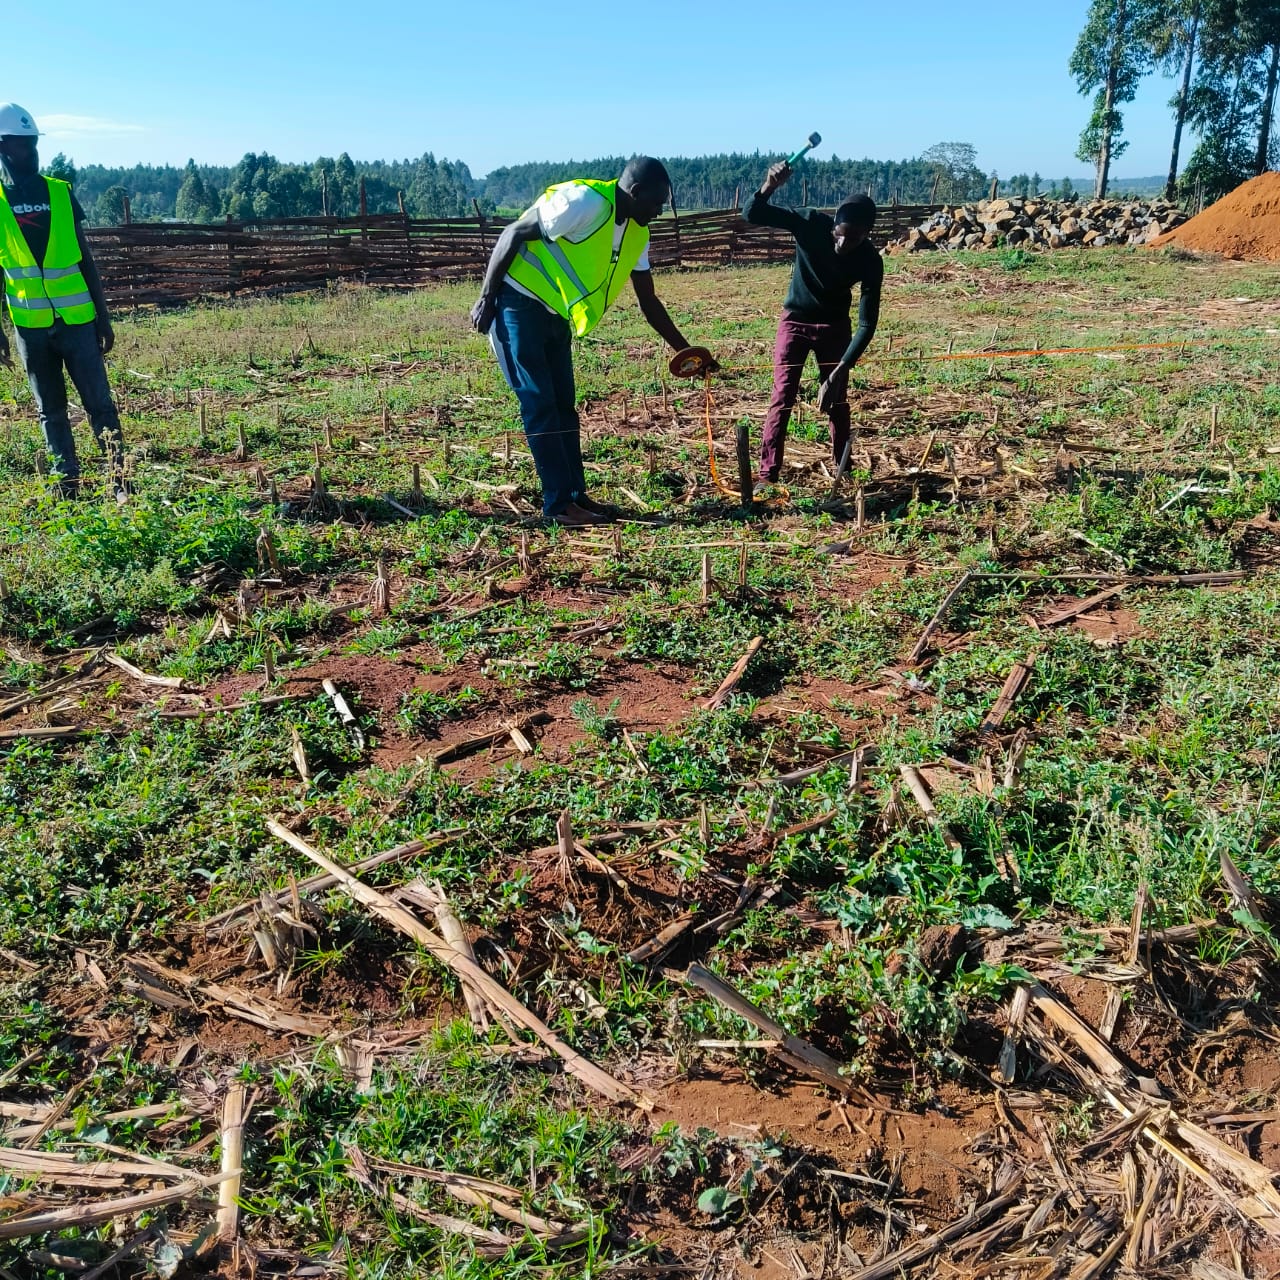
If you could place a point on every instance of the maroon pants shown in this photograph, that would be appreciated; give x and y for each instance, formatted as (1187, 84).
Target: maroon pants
(796, 339)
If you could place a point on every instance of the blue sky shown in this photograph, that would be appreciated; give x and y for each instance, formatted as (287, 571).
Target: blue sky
(496, 83)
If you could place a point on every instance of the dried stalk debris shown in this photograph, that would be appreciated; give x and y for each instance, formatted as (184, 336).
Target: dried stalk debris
(498, 998)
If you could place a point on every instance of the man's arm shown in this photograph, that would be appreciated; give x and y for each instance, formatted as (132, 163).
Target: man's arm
(762, 213)
(89, 269)
(525, 228)
(834, 389)
(868, 318)
(654, 312)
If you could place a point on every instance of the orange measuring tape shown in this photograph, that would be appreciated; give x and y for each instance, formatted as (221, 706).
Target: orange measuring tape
(693, 361)
(689, 363)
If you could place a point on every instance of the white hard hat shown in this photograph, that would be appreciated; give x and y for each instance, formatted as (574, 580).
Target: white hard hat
(15, 122)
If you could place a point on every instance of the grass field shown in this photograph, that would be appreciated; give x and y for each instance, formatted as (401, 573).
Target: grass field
(529, 708)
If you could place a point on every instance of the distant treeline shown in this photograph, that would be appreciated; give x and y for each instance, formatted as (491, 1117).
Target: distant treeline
(261, 186)
(711, 182)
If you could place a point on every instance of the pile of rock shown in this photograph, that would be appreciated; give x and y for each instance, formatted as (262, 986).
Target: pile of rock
(1037, 223)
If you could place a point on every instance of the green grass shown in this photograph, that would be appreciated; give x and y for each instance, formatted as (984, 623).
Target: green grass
(1146, 761)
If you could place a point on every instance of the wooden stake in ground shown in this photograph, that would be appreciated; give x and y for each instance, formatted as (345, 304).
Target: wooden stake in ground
(242, 445)
(706, 577)
(730, 682)
(746, 484)
(498, 997)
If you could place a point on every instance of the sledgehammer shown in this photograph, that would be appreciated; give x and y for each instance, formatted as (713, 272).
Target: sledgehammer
(814, 139)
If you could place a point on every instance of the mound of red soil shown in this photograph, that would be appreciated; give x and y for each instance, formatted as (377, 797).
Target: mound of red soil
(1245, 223)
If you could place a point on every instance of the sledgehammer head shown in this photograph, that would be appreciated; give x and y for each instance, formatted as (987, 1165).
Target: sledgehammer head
(814, 139)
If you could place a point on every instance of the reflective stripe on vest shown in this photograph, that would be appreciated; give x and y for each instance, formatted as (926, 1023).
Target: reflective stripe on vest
(48, 304)
(580, 280)
(38, 294)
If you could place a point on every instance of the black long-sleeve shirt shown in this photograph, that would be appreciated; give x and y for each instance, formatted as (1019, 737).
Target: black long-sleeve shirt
(822, 280)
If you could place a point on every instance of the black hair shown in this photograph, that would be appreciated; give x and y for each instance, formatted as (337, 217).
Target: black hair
(858, 212)
(646, 174)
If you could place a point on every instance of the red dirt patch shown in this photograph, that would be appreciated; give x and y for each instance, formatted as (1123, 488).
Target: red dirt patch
(938, 1156)
(1109, 626)
(1245, 223)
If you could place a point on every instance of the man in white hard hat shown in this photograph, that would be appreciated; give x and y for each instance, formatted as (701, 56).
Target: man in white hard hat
(54, 299)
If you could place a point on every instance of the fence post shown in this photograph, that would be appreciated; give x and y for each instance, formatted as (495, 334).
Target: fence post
(408, 239)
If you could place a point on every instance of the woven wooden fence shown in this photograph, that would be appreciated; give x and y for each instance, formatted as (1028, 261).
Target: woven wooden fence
(167, 263)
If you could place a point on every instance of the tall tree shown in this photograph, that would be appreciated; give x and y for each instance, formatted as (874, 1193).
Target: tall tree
(1260, 20)
(108, 211)
(1112, 55)
(955, 168)
(1175, 45)
(61, 167)
(194, 203)
(1230, 106)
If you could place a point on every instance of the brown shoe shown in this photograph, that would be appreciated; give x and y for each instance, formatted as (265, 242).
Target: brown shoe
(576, 517)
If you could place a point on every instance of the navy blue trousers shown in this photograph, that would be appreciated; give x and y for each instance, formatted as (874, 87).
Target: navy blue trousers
(535, 353)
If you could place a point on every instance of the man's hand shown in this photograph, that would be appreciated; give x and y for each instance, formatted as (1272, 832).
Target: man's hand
(482, 313)
(777, 175)
(106, 335)
(835, 390)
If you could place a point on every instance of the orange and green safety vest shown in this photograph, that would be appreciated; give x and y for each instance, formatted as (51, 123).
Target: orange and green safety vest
(37, 292)
(580, 281)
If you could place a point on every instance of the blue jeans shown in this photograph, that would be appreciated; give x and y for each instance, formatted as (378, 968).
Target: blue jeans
(45, 354)
(535, 353)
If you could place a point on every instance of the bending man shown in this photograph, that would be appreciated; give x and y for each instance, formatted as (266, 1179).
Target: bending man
(832, 255)
(55, 300)
(553, 273)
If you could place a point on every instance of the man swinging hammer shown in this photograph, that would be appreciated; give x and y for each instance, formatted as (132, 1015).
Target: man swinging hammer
(832, 255)
(552, 274)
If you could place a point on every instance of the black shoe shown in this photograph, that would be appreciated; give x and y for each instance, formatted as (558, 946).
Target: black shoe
(576, 517)
(605, 509)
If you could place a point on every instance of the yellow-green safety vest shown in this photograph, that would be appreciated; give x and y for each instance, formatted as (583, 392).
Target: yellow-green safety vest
(37, 292)
(580, 281)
